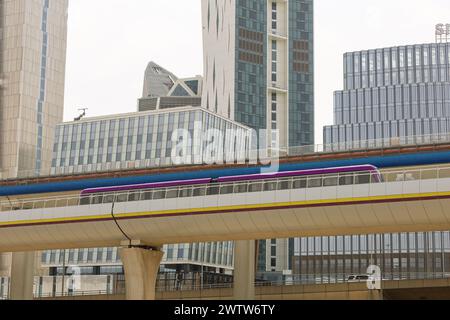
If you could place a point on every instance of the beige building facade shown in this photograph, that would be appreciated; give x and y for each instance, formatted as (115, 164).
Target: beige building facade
(33, 40)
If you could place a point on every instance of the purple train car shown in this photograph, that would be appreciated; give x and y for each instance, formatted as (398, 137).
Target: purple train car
(370, 171)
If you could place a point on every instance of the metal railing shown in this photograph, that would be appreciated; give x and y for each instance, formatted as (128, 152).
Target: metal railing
(294, 280)
(308, 182)
(314, 279)
(363, 145)
(78, 293)
(340, 278)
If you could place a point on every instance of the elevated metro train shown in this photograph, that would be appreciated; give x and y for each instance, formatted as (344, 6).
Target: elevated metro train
(75, 186)
(297, 179)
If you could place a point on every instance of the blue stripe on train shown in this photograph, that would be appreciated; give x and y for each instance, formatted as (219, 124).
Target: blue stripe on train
(380, 162)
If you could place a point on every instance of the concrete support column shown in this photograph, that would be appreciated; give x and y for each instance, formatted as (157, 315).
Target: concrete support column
(141, 270)
(22, 276)
(244, 270)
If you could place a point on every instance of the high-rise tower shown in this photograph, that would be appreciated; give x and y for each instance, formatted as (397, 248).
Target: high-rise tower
(258, 65)
(259, 70)
(33, 55)
(33, 40)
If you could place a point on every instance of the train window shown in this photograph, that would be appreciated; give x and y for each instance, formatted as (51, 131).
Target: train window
(134, 196)
(299, 183)
(285, 184)
(255, 187)
(346, 180)
(84, 200)
(109, 198)
(270, 186)
(314, 182)
(241, 188)
(159, 194)
(226, 189)
(97, 199)
(330, 181)
(213, 190)
(362, 178)
(172, 193)
(375, 177)
(146, 195)
(199, 191)
(122, 197)
(185, 192)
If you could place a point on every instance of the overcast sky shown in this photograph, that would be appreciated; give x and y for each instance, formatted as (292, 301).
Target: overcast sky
(110, 43)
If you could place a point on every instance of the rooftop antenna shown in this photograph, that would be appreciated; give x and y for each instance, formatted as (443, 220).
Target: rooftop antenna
(83, 114)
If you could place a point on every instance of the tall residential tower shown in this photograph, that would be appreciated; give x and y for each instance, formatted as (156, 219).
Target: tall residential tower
(258, 65)
(33, 36)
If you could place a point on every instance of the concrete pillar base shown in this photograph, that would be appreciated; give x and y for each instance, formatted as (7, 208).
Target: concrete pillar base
(244, 270)
(22, 276)
(141, 270)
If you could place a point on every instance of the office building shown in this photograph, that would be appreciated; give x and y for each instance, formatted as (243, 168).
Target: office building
(399, 256)
(392, 94)
(259, 66)
(140, 139)
(215, 257)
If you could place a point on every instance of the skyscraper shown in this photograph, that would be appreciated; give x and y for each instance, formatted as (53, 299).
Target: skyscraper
(33, 55)
(258, 65)
(33, 38)
(259, 70)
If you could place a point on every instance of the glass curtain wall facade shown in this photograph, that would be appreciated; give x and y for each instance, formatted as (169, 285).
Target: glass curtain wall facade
(392, 93)
(142, 138)
(301, 73)
(180, 257)
(400, 256)
(251, 63)
(259, 66)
